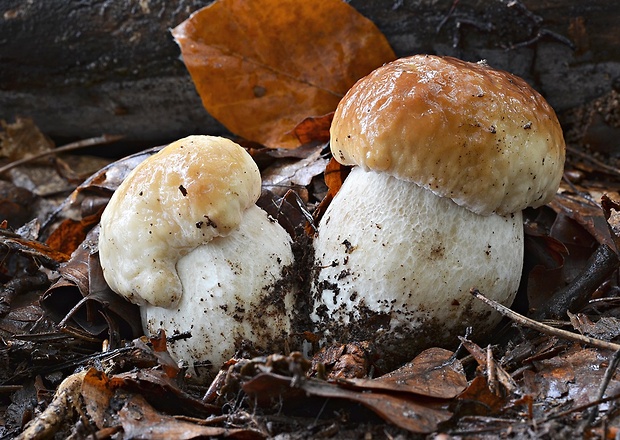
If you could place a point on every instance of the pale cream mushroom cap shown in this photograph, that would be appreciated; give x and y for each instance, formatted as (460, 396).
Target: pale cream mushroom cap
(192, 191)
(482, 137)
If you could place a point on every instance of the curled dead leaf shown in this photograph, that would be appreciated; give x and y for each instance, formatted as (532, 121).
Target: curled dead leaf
(406, 412)
(82, 299)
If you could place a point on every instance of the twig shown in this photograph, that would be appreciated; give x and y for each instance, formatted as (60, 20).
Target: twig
(62, 407)
(609, 373)
(530, 323)
(612, 170)
(492, 377)
(99, 140)
(583, 194)
(10, 388)
(599, 267)
(445, 19)
(579, 408)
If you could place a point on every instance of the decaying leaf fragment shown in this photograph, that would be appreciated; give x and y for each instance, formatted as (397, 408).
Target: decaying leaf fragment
(82, 301)
(26, 246)
(262, 67)
(413, 397)
(433, 373)
(574, 375)
(21, 139)
(283, 175)
(314, 129)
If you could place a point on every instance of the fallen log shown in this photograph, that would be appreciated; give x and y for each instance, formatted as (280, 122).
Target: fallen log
(80, 69)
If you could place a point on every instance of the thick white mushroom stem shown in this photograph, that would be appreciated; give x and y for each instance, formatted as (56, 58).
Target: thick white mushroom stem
(396, 264)
(232, 291)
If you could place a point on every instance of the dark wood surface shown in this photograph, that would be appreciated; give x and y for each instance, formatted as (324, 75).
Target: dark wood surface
(81, 68)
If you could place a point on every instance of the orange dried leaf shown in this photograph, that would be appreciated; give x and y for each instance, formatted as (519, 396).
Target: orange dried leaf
(335, 174)
(71, 233)
(32, 247)
(96, 394)
(314, 129)
(479, 392)
(262, 67)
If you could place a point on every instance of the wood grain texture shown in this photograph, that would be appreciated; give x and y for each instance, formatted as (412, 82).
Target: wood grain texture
(81, 68)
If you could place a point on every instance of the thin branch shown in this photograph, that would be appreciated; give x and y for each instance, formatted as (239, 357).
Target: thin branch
(599, 267)
(578, 409)
(612, 170)
(530, 323)
(99, 140)
(61, 409)
(609, 373)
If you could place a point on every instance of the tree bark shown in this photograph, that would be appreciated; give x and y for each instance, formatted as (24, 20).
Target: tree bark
(81, 68)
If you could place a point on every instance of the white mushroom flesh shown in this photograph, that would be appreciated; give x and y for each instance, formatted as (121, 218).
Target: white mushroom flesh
(396, 264)
(231, 293)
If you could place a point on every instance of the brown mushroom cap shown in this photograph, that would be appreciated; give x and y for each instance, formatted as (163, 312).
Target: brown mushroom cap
(482, 137)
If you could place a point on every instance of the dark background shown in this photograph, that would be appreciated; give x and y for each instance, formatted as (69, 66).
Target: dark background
(82, 68)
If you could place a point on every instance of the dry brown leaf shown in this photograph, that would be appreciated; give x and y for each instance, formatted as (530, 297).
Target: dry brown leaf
(606, 328)
(21, 139)
(480, 396)
(433, 373)
(161, 391)
(314, 129)
(16, 204)
(588, 215)
(81, 298)
(262, 67)
(141, 421)
(404, 411)
(573, 376)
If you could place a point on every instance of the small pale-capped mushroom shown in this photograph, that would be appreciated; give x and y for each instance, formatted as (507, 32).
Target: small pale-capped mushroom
(183, 238)
(446, 155)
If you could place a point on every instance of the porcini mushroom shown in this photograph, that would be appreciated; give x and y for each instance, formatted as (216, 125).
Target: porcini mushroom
(183, 238)
(446, 155)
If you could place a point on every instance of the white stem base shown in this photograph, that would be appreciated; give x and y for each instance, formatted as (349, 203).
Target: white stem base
(396, 264)
(231, 293)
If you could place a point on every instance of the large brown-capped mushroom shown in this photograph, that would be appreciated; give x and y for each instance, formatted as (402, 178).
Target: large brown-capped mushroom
(183, 238)
(447, 154)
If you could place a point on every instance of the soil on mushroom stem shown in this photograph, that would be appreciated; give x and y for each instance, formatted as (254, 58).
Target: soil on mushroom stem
(304, 259)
